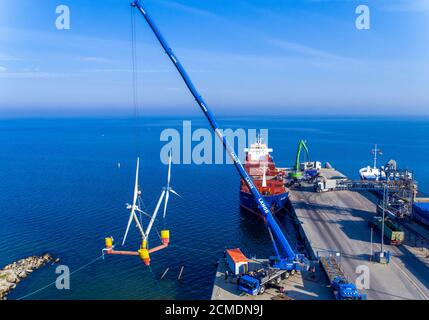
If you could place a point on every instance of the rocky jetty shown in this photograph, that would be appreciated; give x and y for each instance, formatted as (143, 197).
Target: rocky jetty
(14, 273)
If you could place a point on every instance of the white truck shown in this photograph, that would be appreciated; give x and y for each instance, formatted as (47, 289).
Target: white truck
(310, 165)
(324, 185)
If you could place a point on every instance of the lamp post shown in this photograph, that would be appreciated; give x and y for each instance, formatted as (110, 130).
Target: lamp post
(338, 254)
(383, 256)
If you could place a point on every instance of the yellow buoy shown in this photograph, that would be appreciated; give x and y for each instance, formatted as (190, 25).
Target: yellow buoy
(144, 255)
(165, 236)
(109, 242)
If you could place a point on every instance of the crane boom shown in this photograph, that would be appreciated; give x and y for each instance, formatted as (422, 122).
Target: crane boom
(272, 224)
(301, 146)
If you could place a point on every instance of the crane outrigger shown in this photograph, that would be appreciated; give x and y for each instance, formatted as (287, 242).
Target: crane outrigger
(286, 258)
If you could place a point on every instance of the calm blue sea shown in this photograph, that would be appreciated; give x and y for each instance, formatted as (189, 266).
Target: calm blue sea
(62, 192)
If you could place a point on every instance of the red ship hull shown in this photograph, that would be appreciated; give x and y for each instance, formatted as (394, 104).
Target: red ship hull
(268, 179)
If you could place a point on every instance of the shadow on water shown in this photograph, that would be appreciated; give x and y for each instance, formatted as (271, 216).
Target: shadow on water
(254, 235)
(255, 230)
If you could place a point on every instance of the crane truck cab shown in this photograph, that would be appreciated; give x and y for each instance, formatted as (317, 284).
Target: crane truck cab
(250, 285)
(300, 263)
(254, 283)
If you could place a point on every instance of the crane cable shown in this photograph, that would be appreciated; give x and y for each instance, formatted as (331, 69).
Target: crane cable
(134, 75)
(134, 88)
(135, 91)
(135, 102)
(54, 282)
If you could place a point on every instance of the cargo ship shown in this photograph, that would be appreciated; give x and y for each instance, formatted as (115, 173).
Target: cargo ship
(269, 179)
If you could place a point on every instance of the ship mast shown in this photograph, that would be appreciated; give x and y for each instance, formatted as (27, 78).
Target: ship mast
(376, 151)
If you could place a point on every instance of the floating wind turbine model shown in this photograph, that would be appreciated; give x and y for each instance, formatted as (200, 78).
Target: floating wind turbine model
(144, 251)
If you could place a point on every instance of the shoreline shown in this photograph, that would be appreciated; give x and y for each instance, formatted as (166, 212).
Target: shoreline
(12, 274)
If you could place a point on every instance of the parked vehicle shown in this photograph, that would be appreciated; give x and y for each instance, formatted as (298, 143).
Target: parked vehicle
(342, 289)
(256, 282)
(324, 185)
(393, 232)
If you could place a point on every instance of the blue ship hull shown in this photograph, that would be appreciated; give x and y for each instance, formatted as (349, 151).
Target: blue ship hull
(274, 202)
(421, 212)
(370, 178)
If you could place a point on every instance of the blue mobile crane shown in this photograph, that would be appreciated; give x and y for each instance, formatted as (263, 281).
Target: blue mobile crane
(285, 258)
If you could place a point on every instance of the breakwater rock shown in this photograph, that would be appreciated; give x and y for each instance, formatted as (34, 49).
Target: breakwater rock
(14, 273)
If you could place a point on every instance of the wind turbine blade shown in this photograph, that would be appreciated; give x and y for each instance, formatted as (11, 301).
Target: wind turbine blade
(158, 204)
(136, 185)
(136, 219)
(128, 227)
(152, 220)
(175, 193)
(143, 212)
(167, 195)
(133, 214)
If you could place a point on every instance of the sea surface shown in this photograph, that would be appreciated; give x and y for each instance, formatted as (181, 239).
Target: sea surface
(62, 192)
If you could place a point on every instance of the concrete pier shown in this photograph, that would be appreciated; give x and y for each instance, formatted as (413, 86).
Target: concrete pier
(337, 222)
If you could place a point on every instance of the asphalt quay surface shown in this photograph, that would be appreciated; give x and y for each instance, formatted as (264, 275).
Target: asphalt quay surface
(337, 222)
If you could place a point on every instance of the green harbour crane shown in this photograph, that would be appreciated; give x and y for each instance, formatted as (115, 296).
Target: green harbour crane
(296, 173)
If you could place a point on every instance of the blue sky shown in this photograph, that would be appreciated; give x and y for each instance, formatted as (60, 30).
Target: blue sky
(266, 56)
